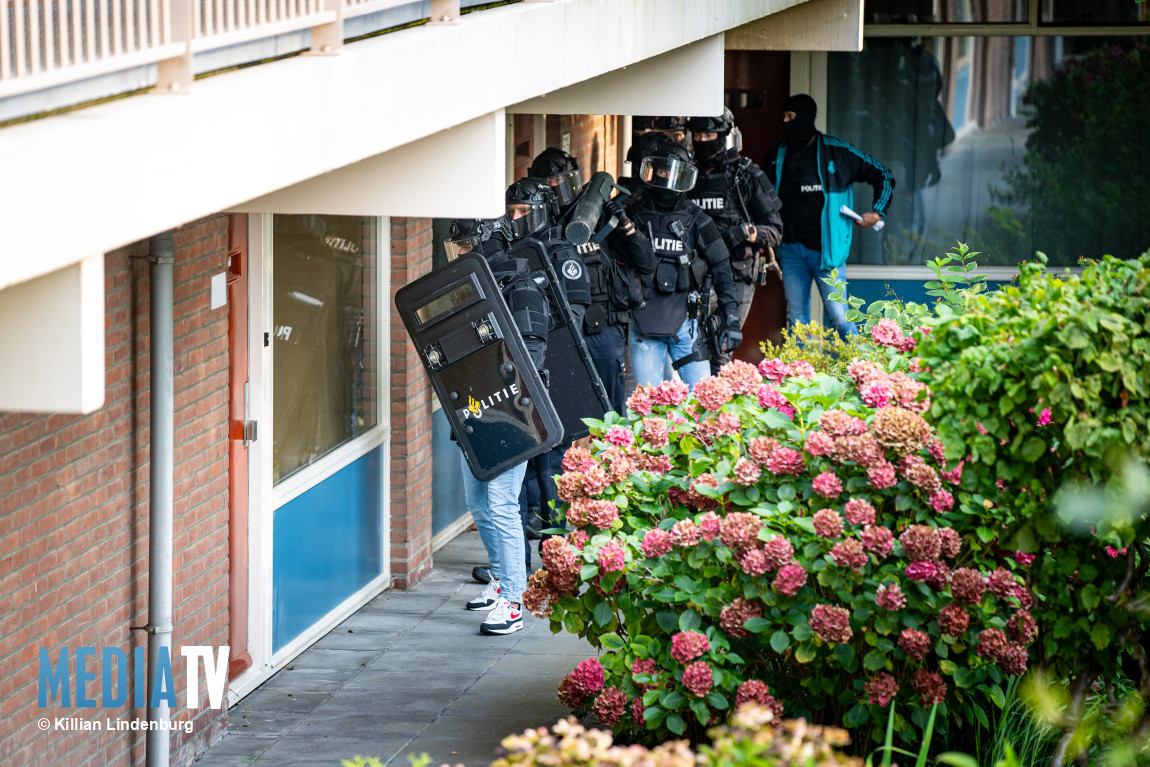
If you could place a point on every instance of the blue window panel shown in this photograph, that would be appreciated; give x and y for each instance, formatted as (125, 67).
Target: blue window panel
(327, 544)
(447, 504)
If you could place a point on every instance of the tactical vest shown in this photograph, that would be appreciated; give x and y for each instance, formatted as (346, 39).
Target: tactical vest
(678, 270)
(614, 289)
(718, 195)
(524, 297)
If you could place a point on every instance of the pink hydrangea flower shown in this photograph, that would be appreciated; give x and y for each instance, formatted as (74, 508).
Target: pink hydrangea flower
(779, 551)
(921, 543)
(752, 690)
(659, 464)
(839, 423)
(880, 690)
(645, 666)
(773, 369)
(954, 476)
(578, 539)
(882, 476)
(577, 459)
(789, 579)
(930, 687)
(831, 624)
(819, 443)
(688, 645)
(770, 397)
(827, 485)
(754, 562)
(785, 460)
(915, 643)
(890, 597)
(953, 620)
(849, 553)
(942, 502)
(595, 480)
(734, 615)
(739, 531)
(801, 369)
(828, 523)
(967, 586)
(617, 435)
(671, 392)
(728, 423)
(588, 676)
(655, 432)
(685, 533)
(656, 543)
(922, 571)
(713, 392)
(937, 451)
(859, 512)
(759, 449)
(697, 679)
(710, 525)
(878, 541)
(887, 333)
(612, 557)
(747, 472)
(602, 514)
(743, 376)
(1044, 417)
(1023, 558)
(611, 706)
(877, 393)
(640, 400)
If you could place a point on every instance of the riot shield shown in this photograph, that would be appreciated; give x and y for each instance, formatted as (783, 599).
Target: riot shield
(479, 367)
(576, 388)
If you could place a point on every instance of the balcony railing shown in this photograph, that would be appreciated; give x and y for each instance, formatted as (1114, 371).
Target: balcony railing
(46, 43)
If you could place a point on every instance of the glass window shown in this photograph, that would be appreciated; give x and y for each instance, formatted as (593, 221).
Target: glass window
(1094, 12)
(325, 346)
(946, 11)
(1010, 144)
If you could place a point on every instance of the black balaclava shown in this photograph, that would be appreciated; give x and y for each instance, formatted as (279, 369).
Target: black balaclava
(800, 130)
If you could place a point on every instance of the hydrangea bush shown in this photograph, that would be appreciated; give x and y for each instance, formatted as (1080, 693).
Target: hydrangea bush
(777, 536)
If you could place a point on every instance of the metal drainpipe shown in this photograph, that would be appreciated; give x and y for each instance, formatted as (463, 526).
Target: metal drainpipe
(161, 463)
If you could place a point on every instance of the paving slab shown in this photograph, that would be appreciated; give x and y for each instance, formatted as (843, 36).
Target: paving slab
(406, 674)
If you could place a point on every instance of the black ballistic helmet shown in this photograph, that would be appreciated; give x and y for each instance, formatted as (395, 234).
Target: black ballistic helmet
(487, 235)
(561, 171)
(729, 136)
(530, 205)
(668, 166)
(643, 146)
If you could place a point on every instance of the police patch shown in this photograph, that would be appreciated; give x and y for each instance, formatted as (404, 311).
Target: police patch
(572, 270)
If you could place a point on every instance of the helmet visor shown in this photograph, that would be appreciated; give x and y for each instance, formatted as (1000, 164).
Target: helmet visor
(457, 246)
(527, 218)
(668, 173)
(566, 185)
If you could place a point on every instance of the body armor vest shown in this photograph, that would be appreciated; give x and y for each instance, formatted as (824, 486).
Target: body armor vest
(718, 195)
(675, 275)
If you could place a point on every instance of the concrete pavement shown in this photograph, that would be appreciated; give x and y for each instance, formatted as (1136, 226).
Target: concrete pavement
(406, 674)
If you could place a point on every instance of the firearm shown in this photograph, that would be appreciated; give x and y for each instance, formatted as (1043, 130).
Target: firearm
(588, 209)
(764, 256)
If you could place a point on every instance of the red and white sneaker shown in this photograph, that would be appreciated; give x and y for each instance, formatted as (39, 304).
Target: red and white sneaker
(504, 619)
(487, 599)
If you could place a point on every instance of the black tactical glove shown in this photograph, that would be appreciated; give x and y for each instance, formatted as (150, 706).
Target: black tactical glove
(731, 336)
(614, 209)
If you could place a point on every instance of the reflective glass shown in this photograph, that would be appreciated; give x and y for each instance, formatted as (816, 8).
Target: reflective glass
(325, 345)
(945, 11)
(1012, 145)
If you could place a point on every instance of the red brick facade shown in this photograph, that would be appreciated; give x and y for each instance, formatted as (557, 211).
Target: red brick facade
(411, 395)
(74, 513)
(593, 139)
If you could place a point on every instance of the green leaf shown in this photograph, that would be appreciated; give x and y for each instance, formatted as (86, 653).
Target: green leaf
(702, 713)
(857, 716)
(845, 654)
(1033, 449)
(1100, 635)
(612, 641)
(757, 625)
(689, 621)
(805, 653)
(955, 759)
(672, 699)
(997, 696)
(874, 660)
(603, 614)
(780, 641)
(588, 571)
(717, 700)
(667, 621)
(675, 724)
(964, 677)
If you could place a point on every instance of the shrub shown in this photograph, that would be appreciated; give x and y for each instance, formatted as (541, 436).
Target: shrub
(775, 536)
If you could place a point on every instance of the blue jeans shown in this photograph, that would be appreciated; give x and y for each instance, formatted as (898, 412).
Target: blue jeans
(649, 356)
(608, 350)
(494, 505)
(800, 265)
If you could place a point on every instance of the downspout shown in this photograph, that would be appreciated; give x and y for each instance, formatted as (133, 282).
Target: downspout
(161, 448)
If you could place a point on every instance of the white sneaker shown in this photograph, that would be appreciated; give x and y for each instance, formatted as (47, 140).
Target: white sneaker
(487, 598)
(504, 619)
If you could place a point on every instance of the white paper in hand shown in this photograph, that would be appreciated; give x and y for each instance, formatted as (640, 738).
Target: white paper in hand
(851, 214)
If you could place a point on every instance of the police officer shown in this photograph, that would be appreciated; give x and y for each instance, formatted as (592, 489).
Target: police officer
(494, 504)
(532, 207)
(689, 249)
(615, 271)
(739, 198)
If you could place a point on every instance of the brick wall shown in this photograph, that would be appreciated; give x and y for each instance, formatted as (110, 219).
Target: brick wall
(74, 516)
(411, 395)
(593, 141)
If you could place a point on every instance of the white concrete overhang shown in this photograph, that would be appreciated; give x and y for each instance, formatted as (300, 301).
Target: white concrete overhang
(98, 178)
(52, 347)
(816, 25)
